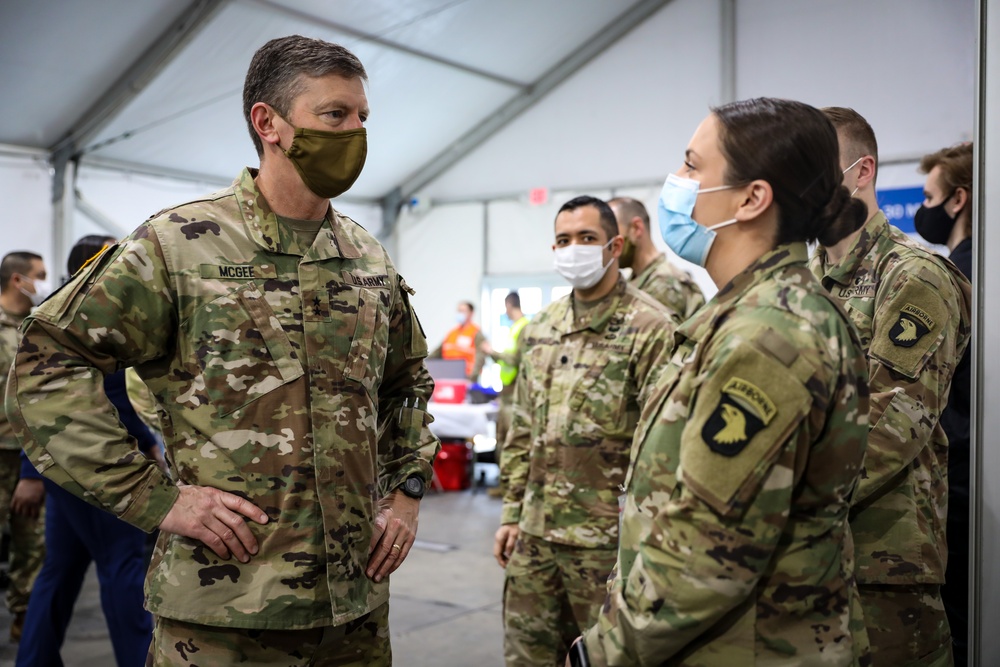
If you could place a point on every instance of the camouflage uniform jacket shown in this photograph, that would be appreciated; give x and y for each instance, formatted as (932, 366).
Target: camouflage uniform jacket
(912, 312)
(671, 286)
(9, 334)
(581, 381)
(290, 376)
(735, 548)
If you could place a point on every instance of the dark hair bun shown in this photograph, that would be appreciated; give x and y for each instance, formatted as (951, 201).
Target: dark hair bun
(842, 216)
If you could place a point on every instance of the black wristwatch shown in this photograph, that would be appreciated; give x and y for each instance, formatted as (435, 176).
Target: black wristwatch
(414, 487)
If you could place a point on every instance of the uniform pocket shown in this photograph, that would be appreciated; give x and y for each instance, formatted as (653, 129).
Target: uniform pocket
(242, 350)
(369, 335)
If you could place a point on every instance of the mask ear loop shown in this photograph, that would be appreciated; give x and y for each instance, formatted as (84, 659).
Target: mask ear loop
(853, 164)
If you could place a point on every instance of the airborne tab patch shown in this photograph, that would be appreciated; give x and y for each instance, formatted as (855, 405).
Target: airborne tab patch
(912, 325)
(743, 410)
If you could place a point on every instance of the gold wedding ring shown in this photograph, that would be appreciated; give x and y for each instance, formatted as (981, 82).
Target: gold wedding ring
(396, 546)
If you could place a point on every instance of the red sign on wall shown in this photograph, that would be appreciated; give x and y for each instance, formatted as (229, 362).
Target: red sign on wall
(538, 196)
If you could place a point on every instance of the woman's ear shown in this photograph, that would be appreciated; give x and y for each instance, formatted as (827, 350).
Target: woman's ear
(757, 198)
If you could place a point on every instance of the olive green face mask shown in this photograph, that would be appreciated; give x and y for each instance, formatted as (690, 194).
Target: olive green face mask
(328, 162)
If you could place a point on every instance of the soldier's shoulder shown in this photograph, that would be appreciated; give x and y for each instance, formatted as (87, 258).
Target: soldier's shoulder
(668, 270)
(647, 310)
(907, 258)
(793, 303)
(360, 237)
(191, 209)
(553, 312)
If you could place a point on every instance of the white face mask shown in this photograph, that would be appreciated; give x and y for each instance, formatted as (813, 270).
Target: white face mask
(42, 291)
(582, 265)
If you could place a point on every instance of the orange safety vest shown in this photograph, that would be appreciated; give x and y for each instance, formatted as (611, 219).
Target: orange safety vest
(460, 343)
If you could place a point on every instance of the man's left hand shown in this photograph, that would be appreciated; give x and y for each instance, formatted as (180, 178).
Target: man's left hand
(395, 530)
(28, 498)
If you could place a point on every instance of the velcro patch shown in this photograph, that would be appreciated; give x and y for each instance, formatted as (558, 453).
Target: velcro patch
(905, 336)
(737, 426)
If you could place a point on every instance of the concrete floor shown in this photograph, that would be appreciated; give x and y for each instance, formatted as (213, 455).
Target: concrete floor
(445, 609)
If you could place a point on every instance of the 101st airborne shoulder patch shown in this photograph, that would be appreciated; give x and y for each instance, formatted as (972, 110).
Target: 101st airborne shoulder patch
(743, 410)
(912, 325)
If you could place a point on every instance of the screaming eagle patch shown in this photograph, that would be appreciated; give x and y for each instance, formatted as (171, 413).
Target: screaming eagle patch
(743, 410)
(912, 325)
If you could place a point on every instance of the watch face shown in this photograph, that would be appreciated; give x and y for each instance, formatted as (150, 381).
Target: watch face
(414, 486)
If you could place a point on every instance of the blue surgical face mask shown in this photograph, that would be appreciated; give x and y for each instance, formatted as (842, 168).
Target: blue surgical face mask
(681, 233)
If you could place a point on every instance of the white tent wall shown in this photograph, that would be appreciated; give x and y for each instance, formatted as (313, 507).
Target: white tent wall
(26, 190)
(440, 256)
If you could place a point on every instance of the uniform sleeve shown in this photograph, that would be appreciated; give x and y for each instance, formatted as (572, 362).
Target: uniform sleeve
(406, 445)
(477, 365)
(119, 312)
(699, 554)
(141, 399)
(917, 341)
(514, 456)
(8, 349)
(509, 358)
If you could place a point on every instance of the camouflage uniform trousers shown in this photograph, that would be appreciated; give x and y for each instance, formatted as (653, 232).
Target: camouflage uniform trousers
(27, 536)
(363, 642)
(552, 593)
(907, 625)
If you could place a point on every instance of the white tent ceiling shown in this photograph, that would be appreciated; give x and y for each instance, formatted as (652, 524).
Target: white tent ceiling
(437, 70)
(477, 98)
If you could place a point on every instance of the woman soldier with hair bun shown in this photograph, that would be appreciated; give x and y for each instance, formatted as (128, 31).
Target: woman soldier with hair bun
(735, 547)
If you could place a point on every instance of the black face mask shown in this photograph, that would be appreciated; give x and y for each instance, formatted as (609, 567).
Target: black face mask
(934, 223)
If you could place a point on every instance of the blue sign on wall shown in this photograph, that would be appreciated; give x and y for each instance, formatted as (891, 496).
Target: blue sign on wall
(899, 206)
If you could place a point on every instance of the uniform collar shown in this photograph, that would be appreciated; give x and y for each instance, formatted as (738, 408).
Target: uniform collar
(596, 318)
(263, 228)
(843, 272)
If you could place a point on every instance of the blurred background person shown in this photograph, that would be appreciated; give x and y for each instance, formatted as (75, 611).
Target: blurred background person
(945, 218)
(77, 533)
(652, 272)
(508, 360)
(23, 285)
(463, 342)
